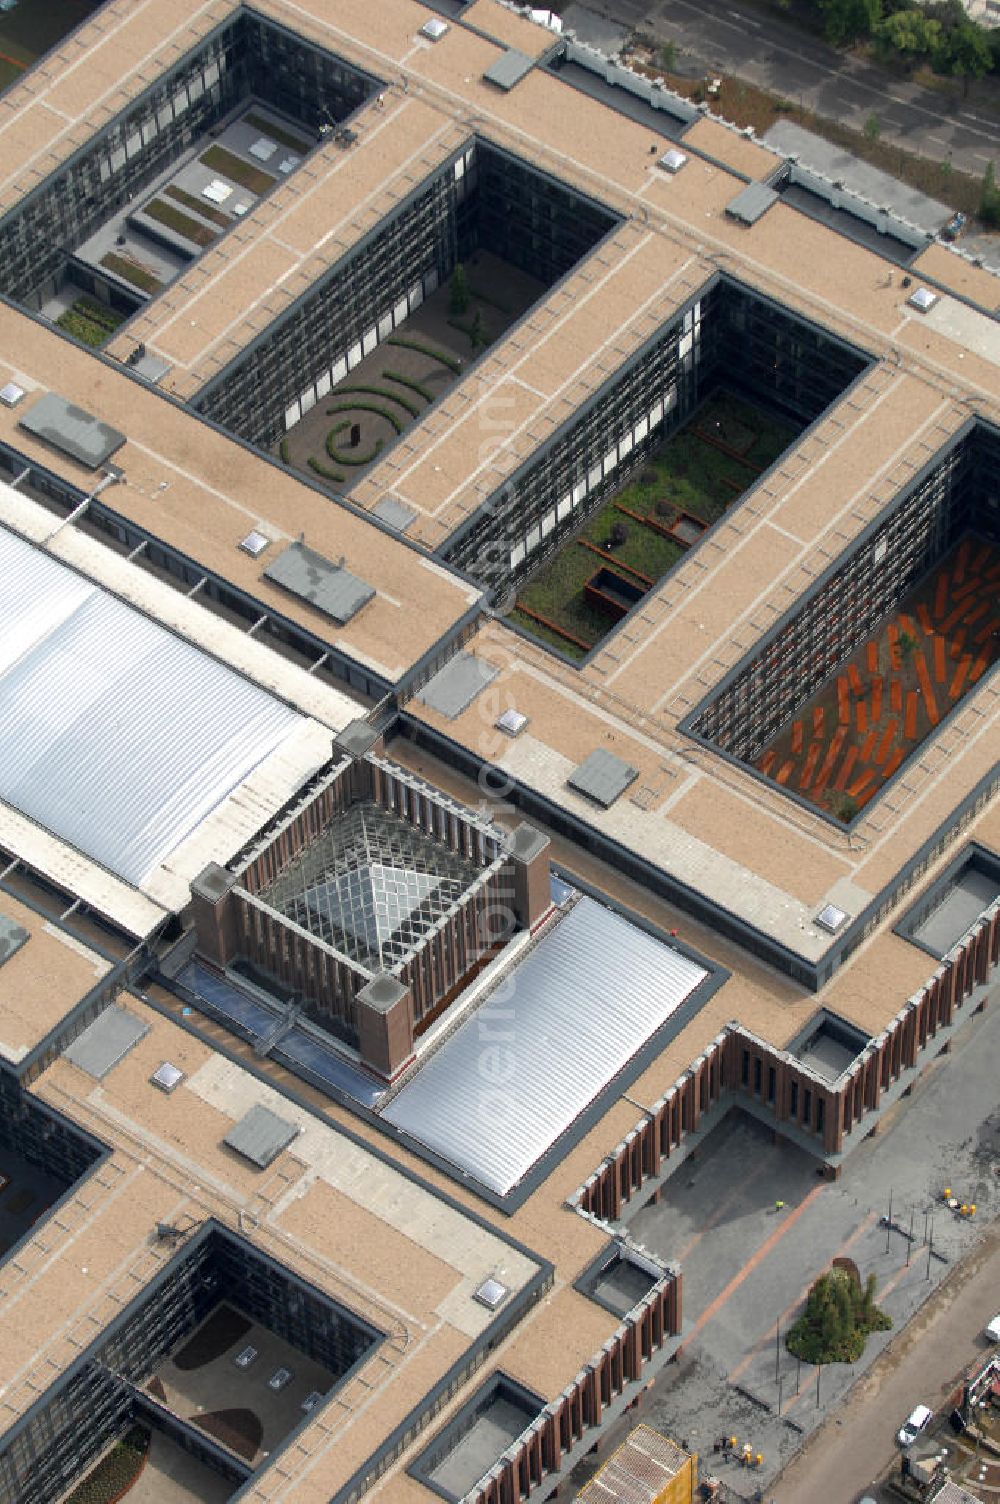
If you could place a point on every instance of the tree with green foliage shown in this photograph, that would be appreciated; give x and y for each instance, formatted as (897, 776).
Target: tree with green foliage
(989, 202)
(909, 35)
(964, 53)
(873, 128)
(459, 292)
(850, 20)
(478, 336)
(838, 1316)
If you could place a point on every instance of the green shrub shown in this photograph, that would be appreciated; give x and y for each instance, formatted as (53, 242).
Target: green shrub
(200, 206)
(414, 386)
(89, 321)
(458, 298)
(364, 407)
(181, 223)
(358, 459)
(441, 356)
(838, 1316)
(324, 470)
(384, 391)
(220, 160)
(275, 132)
(131, 272)
(116, 1471)
(283, 450)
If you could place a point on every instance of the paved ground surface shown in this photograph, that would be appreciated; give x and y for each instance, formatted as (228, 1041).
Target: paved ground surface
(747, 1266)
(713, 35)
(172, 1477)
(840, 166)
(854, 1448)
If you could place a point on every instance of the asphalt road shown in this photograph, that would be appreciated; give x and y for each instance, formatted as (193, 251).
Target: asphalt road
(715, 37)
(841, 1461)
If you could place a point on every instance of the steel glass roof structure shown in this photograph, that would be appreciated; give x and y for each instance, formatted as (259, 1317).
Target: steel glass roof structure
(584, 1001)
(115, 735)
(371, 885)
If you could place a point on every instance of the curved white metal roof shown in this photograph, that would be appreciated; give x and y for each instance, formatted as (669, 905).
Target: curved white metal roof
(499, 1092)
(116, 735)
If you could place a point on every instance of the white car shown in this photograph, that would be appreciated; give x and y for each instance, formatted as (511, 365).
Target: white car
(993, 1329)
(917, 1421)
(246, 1356)
(279, 1379)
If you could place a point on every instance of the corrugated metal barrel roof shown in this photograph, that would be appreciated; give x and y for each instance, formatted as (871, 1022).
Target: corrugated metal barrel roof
(499, 1092)
(116, 735)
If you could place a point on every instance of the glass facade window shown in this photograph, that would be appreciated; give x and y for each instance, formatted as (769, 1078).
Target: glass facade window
(494, 200)
(246, 58)
(727, 336)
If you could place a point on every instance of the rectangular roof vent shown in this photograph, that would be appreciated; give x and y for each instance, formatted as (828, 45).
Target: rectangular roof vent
(107, 1041)
(71, 430)
(455, 686)
(329, 587)
(603, 777)
(508, 69)
(11, 394)
(433, 30)
(512, 722)
(12, 937)
(922, 299)
(672, 160)
(752, 203)
(260, 1136)
(254, 544)
(395, 512)
(167, 1077)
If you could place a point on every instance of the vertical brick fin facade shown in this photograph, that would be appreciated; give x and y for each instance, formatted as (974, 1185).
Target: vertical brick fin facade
(739, 1064)
(540, 1449)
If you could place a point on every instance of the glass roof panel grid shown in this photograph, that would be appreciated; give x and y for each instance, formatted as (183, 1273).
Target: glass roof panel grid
(371, 886)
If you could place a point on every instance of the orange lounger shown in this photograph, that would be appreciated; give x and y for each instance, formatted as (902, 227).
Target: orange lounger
(925, 618)
(815, 748)
(784, 772)
(926, 689)
(888, 737)
(958, 682)
(843, 701)
(862, 717)
(940, 664)
(873, 657)
(767, 761)
(859, 785)
(818, 719)
(876, 699)
(893, 763)
(796, 737)
(855, 678)
(896, 695)
(846, 767)
(979, 666)
(958, 642)
(910, 726)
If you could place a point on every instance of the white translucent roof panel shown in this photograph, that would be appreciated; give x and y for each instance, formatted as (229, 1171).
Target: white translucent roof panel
(114, 734)
(497, 1094)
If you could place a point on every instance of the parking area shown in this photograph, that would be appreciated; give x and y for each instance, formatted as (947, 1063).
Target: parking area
(748, 1264)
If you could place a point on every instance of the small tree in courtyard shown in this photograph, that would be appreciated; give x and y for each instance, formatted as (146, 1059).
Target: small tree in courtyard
(459, 292)
(838, 1316)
